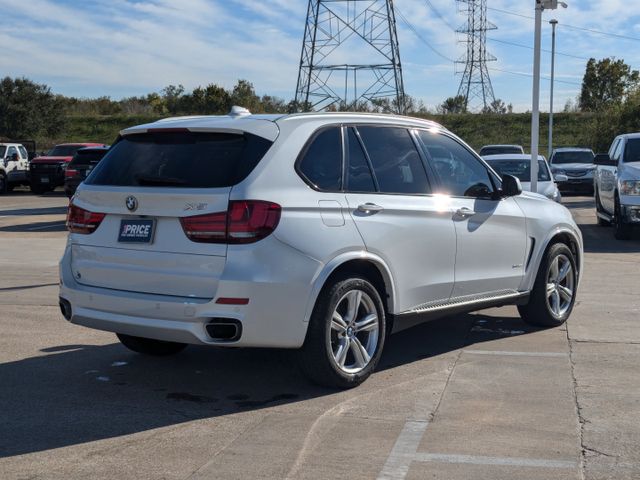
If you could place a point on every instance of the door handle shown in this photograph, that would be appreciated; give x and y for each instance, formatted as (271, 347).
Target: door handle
(465, 212)
(369, 208)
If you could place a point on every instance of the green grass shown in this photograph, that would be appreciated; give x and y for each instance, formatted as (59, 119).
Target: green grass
(570, 129)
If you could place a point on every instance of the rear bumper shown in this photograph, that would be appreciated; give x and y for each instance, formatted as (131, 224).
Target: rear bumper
(274, 316)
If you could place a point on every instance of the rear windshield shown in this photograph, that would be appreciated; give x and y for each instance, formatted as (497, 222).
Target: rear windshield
(520, 169)
(499, 150)
(86, 158)
(64, 150)
(180, 159)
(572, 157)
(632, 150)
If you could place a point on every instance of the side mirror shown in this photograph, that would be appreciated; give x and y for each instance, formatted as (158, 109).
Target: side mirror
(560, 178)
(511, 186)
(604, 159)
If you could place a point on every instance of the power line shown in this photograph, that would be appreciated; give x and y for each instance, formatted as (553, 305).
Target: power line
(573, 27)
(523, 74)
(531, 48)
(439, 15)
(420, 37)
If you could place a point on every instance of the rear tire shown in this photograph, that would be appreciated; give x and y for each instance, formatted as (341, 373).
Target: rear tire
(622, 231)
(554, 291)
(3, 184)
(346, 333)
(149, 346)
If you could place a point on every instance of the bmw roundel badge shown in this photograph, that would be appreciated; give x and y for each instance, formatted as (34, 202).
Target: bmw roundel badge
(132, 203)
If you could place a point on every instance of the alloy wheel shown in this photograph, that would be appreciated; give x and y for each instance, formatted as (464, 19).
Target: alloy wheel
(560, 285)
(355, 329)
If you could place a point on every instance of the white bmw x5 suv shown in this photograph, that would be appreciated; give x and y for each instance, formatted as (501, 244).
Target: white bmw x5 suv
(320, 232)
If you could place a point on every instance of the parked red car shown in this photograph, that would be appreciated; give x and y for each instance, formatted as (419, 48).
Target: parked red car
(47, 171)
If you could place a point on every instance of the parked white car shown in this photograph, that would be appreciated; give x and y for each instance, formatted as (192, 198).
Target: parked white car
(14, 166)
(617, 185)
(520, 167)
(320, 232)
(500, 149)
(573, 169)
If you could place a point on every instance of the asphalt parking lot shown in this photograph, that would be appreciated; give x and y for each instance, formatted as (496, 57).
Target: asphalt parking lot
(479, 396)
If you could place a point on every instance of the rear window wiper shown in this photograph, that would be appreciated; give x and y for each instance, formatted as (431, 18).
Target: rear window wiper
(150, 180)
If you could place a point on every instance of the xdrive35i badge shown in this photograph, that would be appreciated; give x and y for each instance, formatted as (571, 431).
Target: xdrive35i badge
(132, 203)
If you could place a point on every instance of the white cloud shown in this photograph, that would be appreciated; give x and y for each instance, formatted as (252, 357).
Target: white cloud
(130, 47)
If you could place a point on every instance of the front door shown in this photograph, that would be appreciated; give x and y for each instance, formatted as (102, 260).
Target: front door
(389, 197)
(491, 234)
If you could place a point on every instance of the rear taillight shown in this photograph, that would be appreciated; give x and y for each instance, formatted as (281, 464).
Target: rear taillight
(83, 221)
(70, 172)
(245, 221)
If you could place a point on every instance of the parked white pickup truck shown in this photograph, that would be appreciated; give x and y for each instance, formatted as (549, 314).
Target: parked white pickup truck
(14, 166)
(617, 185)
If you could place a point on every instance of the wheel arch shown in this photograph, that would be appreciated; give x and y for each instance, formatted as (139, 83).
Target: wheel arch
(367, 264)
(564, 235)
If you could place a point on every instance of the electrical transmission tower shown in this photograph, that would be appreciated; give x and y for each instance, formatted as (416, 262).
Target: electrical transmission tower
(339, 36)
(475, 85)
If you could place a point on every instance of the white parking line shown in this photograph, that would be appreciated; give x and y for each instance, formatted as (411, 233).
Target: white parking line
(517, 354)
(42, 227)
(502, 461)
(404, 451)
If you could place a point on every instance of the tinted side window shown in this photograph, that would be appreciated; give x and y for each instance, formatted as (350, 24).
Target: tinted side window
(321, 163)
(460, 173)
(632, 150)
(396, 162)
(12, 151)
(359, 177)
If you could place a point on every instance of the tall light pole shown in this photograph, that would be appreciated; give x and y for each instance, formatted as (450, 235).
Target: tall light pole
(535, 112)
(553, 23)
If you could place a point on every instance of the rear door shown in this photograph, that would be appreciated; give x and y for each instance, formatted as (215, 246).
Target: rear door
(147, 183)
(389, 197)
(491, 233)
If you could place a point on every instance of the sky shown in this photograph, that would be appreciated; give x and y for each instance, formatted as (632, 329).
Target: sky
(121, 48)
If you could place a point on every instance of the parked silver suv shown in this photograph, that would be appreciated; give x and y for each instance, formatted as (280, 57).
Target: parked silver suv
(319, 232)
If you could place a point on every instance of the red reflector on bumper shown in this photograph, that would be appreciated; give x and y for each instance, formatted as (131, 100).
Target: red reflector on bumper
(232, 301)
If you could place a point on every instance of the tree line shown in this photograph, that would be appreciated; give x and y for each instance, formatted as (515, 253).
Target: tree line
(31, 110)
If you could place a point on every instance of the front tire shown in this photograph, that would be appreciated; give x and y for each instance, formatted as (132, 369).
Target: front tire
(346, 334)
(38, 189)
(622, 231)
(149, 346)
(554, 291)
(3, 184)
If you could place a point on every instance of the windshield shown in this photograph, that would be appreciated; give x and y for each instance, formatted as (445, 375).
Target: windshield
(180, 159)
(632, 150)
(2, 150)
(572, 157)
(64, 150)
(498, 150)
(86, 158)
(520, 169)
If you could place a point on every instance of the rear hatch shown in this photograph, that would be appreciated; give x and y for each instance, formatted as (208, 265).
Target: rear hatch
(146, 186)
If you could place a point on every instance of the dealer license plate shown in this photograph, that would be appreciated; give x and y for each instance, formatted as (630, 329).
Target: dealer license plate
(136, 231)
